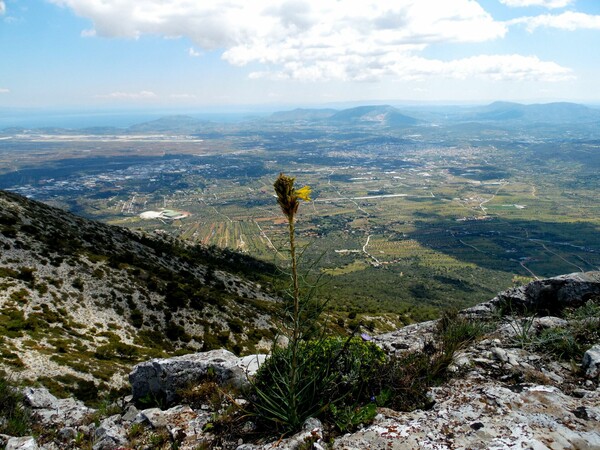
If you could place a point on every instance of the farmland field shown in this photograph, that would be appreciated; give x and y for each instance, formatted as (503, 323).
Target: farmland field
(403, 221)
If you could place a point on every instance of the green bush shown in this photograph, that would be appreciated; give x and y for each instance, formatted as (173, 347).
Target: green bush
(571, 342)
(455, 331)
(406, 379)
(118, 350)
(78, 283)
(137, 318)
(331, 371)
(15, 419)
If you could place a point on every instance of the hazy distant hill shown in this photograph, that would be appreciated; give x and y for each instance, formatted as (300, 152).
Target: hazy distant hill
(300, 114)
(81, 300)
(170, 124)
(384, 115)
(559, 113)
(505, 114)
(362, 115)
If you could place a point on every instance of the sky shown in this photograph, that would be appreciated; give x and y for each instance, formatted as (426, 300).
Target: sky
(230, 53)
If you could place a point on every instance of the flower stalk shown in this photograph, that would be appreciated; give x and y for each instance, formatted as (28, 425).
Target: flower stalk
(288, 199)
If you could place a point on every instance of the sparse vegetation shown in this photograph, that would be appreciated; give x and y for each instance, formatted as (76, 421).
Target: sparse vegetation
(569, 343)
(138, 295)
(15, 419)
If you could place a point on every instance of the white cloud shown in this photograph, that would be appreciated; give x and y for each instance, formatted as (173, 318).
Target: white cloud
(4, 91)
(129, 95)
(406, 67)
(324, 39)
(545, 3)
(2, 7)
(183, 96)
(193, 52)
(507, 67)
(566, 21)
(88, 33)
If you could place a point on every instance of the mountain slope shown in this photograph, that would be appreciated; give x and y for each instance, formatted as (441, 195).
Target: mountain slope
(81, 300)
(559, 113)
(301, 114)
(169, 124)
(378, 115)
(383, 115)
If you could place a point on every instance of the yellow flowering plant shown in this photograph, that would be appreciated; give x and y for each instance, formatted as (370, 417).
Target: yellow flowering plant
(311, 375)
(292, 397)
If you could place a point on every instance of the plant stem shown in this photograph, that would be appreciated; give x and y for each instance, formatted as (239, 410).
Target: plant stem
(296, 316)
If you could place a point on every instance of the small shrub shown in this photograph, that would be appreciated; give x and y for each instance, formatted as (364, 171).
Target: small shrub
(86, 391)
(456, 332)
(332, 371)
(206, 392)
(571, 342)
(77, 283)
(15, 419)
(236, 325)
(6, 272)
(137, 318)
(42, 288)
(347, 418)
(26, 274)
(136, 430)
(177, 333)
(406, 379)
(20, 296)
(118, 350)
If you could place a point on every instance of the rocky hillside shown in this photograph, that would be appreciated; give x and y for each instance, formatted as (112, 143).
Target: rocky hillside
(80, 301)
(530, 380)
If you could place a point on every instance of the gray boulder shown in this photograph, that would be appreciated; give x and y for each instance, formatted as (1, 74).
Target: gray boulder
(591, 362)
(312, 432)
(22, 443)
(551, 295)
(110, 434)
(162, 379)
(548, 296)
(50, 410)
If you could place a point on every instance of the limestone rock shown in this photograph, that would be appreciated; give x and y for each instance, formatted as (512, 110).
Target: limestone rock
(546, 322)
(67, 433)
(312, 431)
(251, 363)
(478, 414)
(591, 362)
(183, 423)
(110, 434)
(50, 410)
(552, 294)
(39, 398)
(163, 378)
(130, 414)
(22, 443)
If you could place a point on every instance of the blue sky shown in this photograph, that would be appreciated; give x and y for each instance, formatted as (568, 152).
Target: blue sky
(196, 54)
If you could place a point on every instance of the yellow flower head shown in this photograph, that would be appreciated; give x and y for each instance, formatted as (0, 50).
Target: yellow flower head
(304, 193)
(287, 197)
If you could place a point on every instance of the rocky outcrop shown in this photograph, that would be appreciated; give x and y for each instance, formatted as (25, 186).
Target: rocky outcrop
(162, 379)
(551, 295)
(49, 410)
(66, 272)
(591, 362)
(506, 392)
(477, 413)
(22, 443)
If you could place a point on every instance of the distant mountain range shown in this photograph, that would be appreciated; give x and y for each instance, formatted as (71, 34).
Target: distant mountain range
(170, 124)
(361, 115)
(538, 113)
(501, 113)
